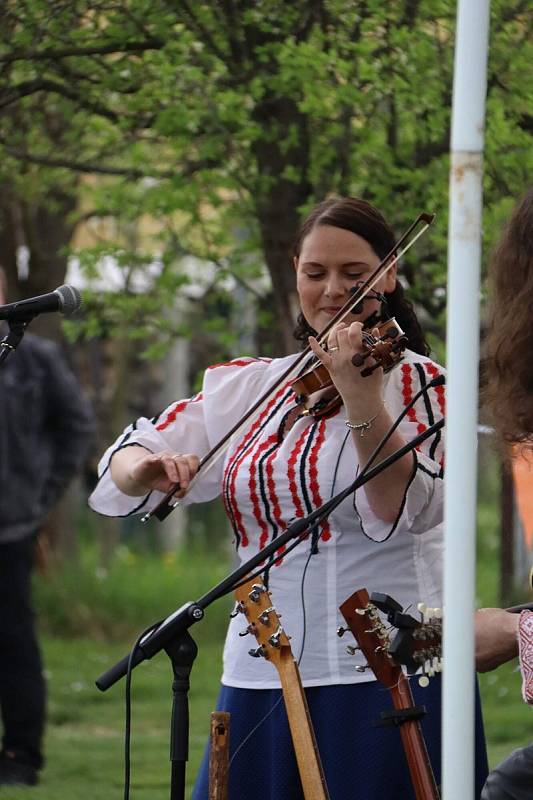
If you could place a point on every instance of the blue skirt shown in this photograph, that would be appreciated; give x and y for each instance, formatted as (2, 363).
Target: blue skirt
(361, 762)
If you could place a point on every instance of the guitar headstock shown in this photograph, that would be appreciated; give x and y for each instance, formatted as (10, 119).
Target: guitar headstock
(253, 600)
(362, 618)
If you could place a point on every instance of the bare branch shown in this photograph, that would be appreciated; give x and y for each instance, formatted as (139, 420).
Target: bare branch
(90, 50)
(187, 171)
(45, 85)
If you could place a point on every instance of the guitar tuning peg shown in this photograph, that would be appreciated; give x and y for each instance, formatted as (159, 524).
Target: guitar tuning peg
(351, 650)
(361, 667)
(257, 590)
(258, 652)
(422, 608)
(264, 617)
(437, 613)
(341, 631)
(249, 629)
(274, 640)
(237, 609)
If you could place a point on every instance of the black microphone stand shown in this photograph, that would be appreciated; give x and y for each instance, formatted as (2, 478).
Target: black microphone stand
(172, 635)
(13, 338)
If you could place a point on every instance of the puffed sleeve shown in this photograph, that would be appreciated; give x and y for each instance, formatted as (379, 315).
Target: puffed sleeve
(194, 425)
(422, 507)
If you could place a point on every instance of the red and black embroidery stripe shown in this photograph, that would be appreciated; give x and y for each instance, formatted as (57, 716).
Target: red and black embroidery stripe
(176, 409)
(429, 410)
(249, 440)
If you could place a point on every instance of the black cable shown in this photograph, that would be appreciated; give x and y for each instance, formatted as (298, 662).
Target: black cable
(127, 729)
(334, 501)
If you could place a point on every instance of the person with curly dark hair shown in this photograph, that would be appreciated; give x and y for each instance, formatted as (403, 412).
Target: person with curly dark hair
(508, 396)
(509, 365)
(386, 537)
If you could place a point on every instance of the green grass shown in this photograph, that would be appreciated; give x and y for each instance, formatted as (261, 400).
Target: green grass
(90, 617)
(84, 743)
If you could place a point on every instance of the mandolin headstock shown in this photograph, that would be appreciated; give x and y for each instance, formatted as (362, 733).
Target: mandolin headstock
(418, 643)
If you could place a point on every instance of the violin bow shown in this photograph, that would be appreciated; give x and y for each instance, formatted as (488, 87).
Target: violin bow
(169, 501)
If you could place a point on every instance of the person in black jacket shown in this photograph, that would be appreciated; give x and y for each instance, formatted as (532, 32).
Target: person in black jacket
(45, 431)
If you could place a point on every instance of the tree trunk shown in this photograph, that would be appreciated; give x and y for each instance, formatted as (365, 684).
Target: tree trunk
(279, 201)
(44, 229)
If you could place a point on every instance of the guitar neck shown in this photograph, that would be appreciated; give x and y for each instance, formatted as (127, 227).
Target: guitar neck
(303, 736)
(414, 744)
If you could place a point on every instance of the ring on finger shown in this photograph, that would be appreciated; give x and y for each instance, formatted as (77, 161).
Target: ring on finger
(333, 349)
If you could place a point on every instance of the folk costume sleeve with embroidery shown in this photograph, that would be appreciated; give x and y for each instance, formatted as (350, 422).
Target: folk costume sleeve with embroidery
(193, 425)
(422, 506)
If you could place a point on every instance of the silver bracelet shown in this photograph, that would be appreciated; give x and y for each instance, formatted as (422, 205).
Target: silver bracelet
(363, 426)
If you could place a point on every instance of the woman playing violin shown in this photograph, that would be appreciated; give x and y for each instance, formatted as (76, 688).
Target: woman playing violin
(387, 537)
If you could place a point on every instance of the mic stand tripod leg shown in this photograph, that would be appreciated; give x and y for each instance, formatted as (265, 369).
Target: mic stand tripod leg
(182, 652)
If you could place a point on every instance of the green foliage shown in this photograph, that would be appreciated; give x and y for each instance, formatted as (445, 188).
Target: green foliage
(224, 121)
(134, 590)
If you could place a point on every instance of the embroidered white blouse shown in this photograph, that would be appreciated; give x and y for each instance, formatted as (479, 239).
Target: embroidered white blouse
(269, 476)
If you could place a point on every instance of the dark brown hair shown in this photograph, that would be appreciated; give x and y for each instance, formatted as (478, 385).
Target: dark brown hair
(358, 216)
(508, 368)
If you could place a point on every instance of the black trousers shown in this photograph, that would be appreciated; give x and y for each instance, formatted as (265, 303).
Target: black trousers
(22, 686)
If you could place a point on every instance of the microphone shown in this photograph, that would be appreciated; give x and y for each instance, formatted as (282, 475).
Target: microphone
(372, 295)
(66, 299)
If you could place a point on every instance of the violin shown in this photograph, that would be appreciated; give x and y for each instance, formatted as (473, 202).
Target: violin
(315, 389)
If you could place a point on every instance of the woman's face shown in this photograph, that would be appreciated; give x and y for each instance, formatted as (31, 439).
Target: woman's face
(331, 261)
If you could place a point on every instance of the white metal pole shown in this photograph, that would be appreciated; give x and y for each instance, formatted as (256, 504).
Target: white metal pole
(464, 256)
